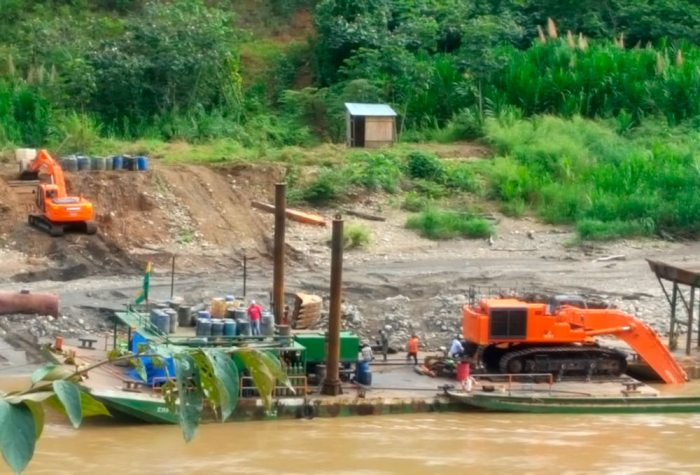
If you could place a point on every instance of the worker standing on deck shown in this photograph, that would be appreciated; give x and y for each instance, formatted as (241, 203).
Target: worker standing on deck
(384, 341)
(366, 353)
(413, 349)
(254, 314)
(456, 348)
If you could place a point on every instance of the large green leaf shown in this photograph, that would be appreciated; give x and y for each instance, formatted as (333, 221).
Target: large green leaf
(69, 395)
(261, 372)
(42, 371)
(38, 415)
(207, 378)
(17, 434)
(51, 372)
(191, 399)
(91, 406)
(226, 374)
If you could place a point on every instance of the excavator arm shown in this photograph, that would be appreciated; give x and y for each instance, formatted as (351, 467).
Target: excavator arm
(637, 334)
(46, 161)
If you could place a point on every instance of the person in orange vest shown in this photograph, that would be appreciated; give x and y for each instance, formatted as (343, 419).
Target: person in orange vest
(413, 349)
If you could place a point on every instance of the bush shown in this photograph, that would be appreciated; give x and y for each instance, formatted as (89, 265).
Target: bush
(378, 171)
(437, 224)
(425, 166)
(414, 202)
(356, 235)
(330, 185)
(594, 230)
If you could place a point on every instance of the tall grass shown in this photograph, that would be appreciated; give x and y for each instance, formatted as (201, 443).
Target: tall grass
(579, 171)
(600, 79)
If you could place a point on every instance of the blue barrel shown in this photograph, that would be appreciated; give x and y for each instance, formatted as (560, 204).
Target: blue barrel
(229, 327)
(142, 163)
(203, 327)
(217, 327)
(364, 374)
(83, 163)
(161, 320)
(117, 162)
(203, 314)
(243, 327)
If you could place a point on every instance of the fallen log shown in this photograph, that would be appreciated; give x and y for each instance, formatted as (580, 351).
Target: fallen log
(293, 214)
(360, 214)
(40, 304)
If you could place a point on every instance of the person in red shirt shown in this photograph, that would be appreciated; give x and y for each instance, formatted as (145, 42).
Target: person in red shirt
(254, 314)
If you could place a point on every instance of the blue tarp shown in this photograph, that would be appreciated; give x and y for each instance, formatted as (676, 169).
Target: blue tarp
(151, 370)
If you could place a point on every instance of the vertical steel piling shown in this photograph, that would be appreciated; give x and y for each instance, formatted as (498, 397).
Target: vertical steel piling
(331, 385)
(278, 278)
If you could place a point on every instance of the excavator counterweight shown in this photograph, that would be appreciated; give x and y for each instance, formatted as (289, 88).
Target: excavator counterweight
(57, 212)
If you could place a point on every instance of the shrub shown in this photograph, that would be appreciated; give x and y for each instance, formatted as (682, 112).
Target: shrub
(376, 171)
(414, 202)
(328, 186)
(594, 230)
(424, 165)
(438, 224)
(356, 235)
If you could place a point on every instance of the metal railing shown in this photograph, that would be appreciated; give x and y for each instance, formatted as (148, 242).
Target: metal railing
(511, 378)
(299, 382)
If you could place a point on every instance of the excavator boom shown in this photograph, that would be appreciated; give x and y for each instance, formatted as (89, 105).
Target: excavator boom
(637, 334)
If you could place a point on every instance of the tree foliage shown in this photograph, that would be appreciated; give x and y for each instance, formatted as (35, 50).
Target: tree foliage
(200, 375)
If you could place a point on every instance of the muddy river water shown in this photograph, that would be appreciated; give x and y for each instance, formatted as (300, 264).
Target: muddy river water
(420, 443)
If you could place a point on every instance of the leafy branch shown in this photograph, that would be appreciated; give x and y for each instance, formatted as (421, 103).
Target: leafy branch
(202, 374)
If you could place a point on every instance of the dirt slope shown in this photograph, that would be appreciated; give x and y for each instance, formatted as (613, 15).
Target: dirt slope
(200, 213)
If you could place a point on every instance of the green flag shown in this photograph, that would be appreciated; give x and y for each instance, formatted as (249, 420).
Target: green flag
(143, 294)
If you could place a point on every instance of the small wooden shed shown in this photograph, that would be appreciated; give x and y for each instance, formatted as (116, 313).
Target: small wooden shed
(370, 125)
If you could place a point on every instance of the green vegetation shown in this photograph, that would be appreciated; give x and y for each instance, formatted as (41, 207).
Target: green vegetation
(437, 224)
(579, 171)
(223, 81)
(356, 235)
(201, 375)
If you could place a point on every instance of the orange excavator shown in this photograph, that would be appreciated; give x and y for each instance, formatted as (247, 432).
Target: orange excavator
(512, 336)
(59, 212)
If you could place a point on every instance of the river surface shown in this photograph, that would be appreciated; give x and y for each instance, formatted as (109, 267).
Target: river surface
(407, 444)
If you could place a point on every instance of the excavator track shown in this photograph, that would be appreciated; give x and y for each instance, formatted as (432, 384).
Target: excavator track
(590, 360)
(40, 222)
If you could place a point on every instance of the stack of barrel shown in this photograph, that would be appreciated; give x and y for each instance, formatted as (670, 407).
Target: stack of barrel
(165, 318)
(74, 163)
(227, 317)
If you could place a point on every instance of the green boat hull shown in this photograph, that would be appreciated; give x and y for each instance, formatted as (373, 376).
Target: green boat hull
(578, 405)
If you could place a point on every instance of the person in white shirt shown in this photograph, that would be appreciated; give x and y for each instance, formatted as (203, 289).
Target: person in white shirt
(456, 348)
(366, 353)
